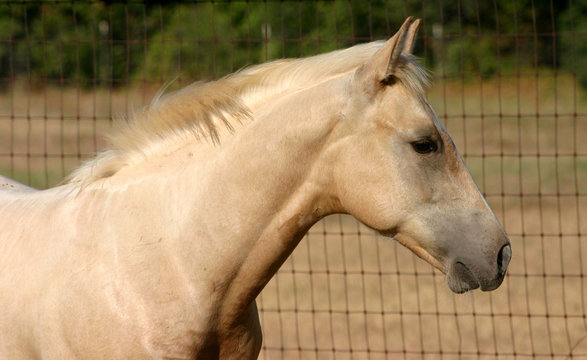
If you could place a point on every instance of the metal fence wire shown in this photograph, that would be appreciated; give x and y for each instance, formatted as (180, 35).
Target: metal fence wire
(509, 84)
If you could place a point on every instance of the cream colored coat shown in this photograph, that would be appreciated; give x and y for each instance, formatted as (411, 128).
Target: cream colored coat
(158, 248)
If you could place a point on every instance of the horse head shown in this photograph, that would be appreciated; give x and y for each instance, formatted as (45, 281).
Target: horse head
(401, 174)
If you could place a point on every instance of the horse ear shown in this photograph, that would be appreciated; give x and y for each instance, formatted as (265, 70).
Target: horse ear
(380, 68)
(411, 36)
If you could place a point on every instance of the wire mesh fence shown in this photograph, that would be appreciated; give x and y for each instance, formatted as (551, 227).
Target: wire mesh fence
(509, 84)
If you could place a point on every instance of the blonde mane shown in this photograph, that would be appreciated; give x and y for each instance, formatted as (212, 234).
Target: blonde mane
(198, 109)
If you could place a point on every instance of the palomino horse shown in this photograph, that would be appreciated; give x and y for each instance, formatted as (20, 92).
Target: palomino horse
(158, 247)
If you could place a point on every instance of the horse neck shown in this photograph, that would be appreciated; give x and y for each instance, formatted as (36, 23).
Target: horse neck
(268, 186)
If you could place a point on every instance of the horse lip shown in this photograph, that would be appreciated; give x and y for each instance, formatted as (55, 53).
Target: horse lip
(461, 279)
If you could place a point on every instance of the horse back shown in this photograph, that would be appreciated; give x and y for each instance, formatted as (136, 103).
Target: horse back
(8, 184)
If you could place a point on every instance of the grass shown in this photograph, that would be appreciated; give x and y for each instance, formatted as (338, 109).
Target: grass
(349, 293)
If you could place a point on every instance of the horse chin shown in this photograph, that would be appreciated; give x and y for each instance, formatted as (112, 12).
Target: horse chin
(461, 279)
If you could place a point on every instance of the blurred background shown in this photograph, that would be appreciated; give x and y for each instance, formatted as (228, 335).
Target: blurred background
(510, 79)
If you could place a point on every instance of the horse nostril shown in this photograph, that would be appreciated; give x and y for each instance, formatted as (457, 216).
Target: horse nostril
(503, 258)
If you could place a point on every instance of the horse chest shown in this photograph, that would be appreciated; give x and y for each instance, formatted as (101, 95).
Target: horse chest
(100, 313)
(134, 331)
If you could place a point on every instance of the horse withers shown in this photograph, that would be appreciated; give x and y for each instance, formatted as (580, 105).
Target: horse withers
(158, 247)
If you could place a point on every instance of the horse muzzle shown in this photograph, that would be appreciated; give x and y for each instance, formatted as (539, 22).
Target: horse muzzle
(463, 276)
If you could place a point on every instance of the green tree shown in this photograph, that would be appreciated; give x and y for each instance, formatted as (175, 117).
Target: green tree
(117, 44)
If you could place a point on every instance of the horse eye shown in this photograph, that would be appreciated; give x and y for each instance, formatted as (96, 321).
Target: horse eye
(425, 146)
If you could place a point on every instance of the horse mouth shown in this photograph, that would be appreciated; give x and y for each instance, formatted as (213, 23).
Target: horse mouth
(461, 279)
